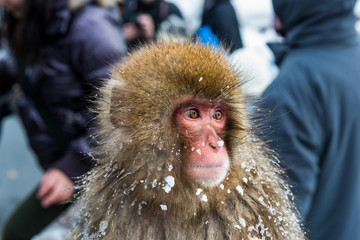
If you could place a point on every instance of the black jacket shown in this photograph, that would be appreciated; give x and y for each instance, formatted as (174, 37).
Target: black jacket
(315, 117)
(221, 17)
(54, 106)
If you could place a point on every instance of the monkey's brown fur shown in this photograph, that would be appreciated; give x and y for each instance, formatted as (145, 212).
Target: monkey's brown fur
(130, 194)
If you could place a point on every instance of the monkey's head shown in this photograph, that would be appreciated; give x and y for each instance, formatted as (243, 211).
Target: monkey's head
(179, 99)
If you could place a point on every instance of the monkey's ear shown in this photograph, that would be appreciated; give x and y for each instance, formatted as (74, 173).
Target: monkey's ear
(115, 106)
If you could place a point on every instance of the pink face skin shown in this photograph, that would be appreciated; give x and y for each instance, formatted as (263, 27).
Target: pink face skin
(15, 7)
(203, 127)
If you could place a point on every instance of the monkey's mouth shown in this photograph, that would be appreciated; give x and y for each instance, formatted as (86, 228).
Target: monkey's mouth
(207, 166)
(208, 174)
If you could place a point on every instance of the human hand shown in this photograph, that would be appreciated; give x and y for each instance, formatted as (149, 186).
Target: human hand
(147, 26)
(131, 32)
(55, 188)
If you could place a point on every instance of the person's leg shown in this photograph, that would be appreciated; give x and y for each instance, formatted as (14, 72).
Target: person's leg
(30, 218)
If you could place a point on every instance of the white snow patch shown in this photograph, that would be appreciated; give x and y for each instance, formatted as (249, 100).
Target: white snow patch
(198, 191)
(222, 186)
(245, 180)
(201, 78)
(163, 207)
(170, 182)
(153, 184)
(170, 168)
(242, 222)
(103, 226)
(261, 200)
(198, 151)
(204, 198)
(240, 190)
(220, 143)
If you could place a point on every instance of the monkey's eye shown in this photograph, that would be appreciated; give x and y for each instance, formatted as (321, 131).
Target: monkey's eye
(218, 115)
(192, 113)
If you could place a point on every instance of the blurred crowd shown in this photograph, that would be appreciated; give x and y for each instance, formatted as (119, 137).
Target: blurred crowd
(303, 61)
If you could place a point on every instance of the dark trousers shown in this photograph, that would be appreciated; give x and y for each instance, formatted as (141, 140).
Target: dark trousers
(30, 218)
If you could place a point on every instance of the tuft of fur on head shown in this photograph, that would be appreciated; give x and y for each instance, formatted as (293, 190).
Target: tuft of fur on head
(138, 189)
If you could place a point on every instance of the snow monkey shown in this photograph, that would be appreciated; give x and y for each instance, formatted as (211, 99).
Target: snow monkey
(177, 157)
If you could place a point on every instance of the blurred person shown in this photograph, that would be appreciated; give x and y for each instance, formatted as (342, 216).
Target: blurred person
(56, 54)
(279, 27)
(314, 117)
(257, 19)
(219, 24)
(143, 19)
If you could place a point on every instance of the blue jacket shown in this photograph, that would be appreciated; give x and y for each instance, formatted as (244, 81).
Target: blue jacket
(58, 85)
(314, 121)
(220, 16)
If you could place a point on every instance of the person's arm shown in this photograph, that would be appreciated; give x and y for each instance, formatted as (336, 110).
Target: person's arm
(55, 188)
(98, 45)
(92, 58)
(57, 184)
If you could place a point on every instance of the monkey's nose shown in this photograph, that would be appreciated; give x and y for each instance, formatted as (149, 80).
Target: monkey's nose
(213, 146)
(212, 139)
(215, 143)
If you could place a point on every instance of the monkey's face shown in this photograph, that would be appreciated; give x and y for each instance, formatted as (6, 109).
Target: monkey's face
(202, 127)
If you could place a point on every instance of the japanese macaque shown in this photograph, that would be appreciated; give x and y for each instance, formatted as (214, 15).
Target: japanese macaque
(177, 156)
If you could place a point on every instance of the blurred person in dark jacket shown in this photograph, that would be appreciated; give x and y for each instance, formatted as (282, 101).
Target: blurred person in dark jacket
(314, 113)
(220, 18)
(143, 19)
(58, 53)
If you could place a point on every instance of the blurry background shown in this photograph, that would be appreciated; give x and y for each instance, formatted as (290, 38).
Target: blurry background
(19, 172)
